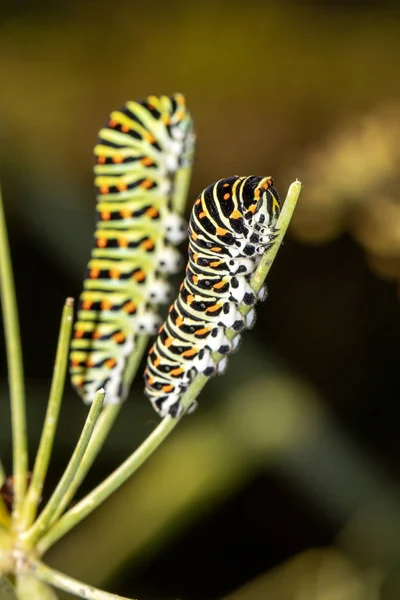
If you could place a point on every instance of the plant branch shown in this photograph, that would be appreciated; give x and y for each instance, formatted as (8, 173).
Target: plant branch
(120, 475)
(68, 584)
(51, 419)
(42, 523)
(15, 369)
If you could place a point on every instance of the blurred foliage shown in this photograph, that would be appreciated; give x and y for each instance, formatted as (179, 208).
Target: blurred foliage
(268, 467)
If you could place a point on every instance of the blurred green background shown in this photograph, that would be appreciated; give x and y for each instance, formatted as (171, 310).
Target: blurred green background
(285, 483)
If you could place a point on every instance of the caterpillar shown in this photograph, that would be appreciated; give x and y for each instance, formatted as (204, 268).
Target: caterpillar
(231, 225)
(142, 169)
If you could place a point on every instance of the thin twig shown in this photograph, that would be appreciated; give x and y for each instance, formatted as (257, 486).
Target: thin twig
(120, 475)
(2, 474)
(15, 369)
(51, 419)
(42, 523)
(66, 583)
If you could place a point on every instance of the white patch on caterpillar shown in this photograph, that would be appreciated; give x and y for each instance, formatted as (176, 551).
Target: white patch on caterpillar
(250, 318)
(148, 322)
(175, 229)
(159, 291)
(170, 260)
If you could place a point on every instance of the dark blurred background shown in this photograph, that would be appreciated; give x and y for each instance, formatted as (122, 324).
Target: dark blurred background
(285, 483)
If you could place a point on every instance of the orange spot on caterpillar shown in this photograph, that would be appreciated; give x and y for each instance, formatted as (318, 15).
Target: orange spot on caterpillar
(147, 244)
(160, 331)
(157, 361)
(96, 335)
(168, 342)
(89, 363)
(179, 321)
(148, 137)
(146, 184)
(112, 123)
(177, 372)
(202, 331)
(101, 160)
(216, 249)
(221, 231)
(171, 308)
(101, 243)
(87, 304)
(75, 362)
(167, 388)
(146, 161)
(252, 208)
(219, 285)
(104, 189)
(152, 212)
(257, 194)
(226, 185)
(110, 363)
(114, 273)
(106, 305)
(194, 236)
(125, 213)
(197, 202)
(94, 273)
(121, 186)
(105, 215)
(202, 215)
(139, 276)
(215, 263)
(166, 120)
(195, 279)
(123, 242)
(213, 308)
(119, 337)
(235, 214)
(195, 257)
(118, 158)
(130, 307)
(190, 299)
(125, 128)
(190, 352)
(227, 196)
(78, 334)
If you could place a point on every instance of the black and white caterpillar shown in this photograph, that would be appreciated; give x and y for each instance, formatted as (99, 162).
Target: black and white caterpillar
(143, 161)
(232, 224)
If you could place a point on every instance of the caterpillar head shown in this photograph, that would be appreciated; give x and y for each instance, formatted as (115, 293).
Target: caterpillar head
(261, 202)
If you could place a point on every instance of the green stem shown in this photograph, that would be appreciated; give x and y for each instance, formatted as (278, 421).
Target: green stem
(2, 474)
(7, 591)
(115, 480)
(120, 475)
(15, 369)
(101, 431)
(51, 419)
(42, 523)
(181, 189)
(63, 582)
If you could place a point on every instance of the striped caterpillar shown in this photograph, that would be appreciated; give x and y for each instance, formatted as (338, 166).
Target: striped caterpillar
(232, 224)
(143, 160)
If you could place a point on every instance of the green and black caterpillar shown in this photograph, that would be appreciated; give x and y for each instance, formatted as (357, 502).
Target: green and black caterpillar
(143, 161)
(232, 224)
